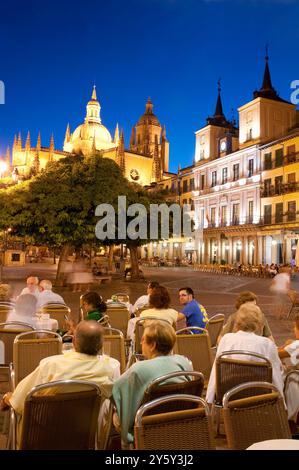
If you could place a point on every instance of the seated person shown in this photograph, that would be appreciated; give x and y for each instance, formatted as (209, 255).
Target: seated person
(81, 364)
(157, 344)
(290, 351)
(144, 299)
(32, 286)
(244, 298)
(247, 337)
(159, 306)
(46, 295)
(193, 312)
(93, 306)
(25, 312)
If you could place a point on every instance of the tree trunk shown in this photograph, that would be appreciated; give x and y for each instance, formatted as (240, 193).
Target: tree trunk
(110, 258)
(135, 274)
(60, 273)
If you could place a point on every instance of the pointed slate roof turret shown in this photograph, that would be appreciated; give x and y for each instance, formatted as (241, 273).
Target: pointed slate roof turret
(267, 90)
(219, 118)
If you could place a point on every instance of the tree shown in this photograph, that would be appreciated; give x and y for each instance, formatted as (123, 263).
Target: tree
(57, 206)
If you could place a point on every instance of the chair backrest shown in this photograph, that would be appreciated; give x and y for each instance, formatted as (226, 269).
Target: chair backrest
(118, 318)
(255, 418)
(104, 321)
(188, 383)
(138, 332)
(8, 332)
(214, 327)
(186, 429)
(61, 415)
(115, 339)
(5, 309)
(121, 297)
(30, 348)
(232, 371)
(59, 312)
(293, 296)
(141, 309)
(197, 348)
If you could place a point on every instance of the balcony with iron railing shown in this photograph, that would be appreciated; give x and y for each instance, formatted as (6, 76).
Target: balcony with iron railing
(279, 189)
(235, 221)
(285, 160)
(280, 218)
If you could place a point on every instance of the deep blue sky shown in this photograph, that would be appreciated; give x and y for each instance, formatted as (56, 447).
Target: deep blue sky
(172, 50)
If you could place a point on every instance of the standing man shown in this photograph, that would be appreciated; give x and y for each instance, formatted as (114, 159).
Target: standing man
(195, 314)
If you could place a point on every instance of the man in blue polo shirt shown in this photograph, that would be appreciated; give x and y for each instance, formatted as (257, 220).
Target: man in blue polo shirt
(194, 312)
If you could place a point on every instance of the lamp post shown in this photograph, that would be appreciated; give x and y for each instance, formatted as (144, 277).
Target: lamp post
(3, 250)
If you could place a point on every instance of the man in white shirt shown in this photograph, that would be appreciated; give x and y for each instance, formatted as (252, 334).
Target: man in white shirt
(248, 325)
(32, 286)
(81, 364)
(46, 295)
(144, 299)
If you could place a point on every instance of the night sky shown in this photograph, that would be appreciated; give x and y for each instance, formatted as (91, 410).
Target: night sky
(171, 50)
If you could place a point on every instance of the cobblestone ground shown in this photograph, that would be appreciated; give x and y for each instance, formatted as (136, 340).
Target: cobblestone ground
(216, 292)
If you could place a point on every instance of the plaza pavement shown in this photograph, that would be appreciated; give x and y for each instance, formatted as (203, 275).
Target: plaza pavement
(217, 292)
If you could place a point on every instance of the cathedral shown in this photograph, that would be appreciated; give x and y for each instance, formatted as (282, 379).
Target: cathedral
(145, 162)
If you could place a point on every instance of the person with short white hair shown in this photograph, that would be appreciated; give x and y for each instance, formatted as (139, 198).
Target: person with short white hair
(32, 286)
(46, 295)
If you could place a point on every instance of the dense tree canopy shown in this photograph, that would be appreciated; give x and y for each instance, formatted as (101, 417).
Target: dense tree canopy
(57, 207)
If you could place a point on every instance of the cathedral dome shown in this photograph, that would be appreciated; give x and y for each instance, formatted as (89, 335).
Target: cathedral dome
(148, 118)
(91, 135)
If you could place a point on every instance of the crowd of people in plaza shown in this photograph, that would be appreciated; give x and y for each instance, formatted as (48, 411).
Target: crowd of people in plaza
(246, 329)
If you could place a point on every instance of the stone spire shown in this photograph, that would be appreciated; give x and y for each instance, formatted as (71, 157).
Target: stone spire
(38, 142)
(156, 169)
(116, 134)
(51, 148)
(7, 157)
(93, 108)
(219, 119)
(67, 136)
(14, 145)
(218, 110)
(94, 94)
(267, 90)
(28, 144)
(121, 153)
(132, 138)
(19, 141)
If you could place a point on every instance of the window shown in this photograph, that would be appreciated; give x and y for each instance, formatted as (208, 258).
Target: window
(236, 171)
(278, 212)
(202, 217)
(191, 203)
(268, 214)
(291, 153)
(268, 161)
(224, 175)
(185, 186)
(267, 187)
(249, 134)
(202, 184)
(291, 210)
(185, 201)
(250, 167)
(202, 154)
(213, 215)
(15, 257)
(214, 178)
(278, 185)
(250, 212)
(291, 182)
(236, 214)
(278, 157)
(223, 220)
(191, 184)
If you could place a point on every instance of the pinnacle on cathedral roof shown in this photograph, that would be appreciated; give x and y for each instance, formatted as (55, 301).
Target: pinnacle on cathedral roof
(94, 94)
(148, 117)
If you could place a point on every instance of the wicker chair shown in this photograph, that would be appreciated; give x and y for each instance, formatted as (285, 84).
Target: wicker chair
(59, 312)
(186, 429)
(192, 384)
(294, 298)
(115, 339)
(8, 332)
(231, 372)
(104, 321)
(118, 318)
(28, 350)
(197, 348)
(60, 415)
(255, 418)
(5, 309)
(214, 327)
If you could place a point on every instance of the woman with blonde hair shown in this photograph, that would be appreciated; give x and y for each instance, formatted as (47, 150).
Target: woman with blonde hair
(247, 337)
(157, 343)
